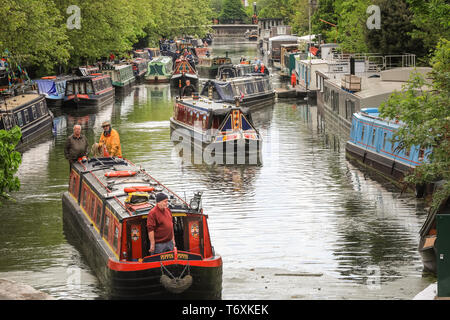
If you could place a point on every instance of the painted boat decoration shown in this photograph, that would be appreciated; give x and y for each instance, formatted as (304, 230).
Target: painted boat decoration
(111, 226)
(183, 71)
(159, 70)
(371, 145)
(30, 113)
(223, 133)
(251, 91)
(93, 90)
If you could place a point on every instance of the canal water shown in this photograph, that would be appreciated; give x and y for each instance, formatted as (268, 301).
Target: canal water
(306, 224)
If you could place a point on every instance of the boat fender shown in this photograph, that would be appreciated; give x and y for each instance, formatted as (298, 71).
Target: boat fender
(120, 174)
(176, 285)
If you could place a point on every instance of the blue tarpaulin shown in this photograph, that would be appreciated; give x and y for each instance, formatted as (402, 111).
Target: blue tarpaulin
(47, 87)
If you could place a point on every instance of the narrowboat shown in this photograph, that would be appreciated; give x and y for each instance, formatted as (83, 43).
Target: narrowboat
(30, 113)
(106, 208)
(183, 71)
(122, 75)
(159, 70)
(93, 90)
(253, 91)
(428, 236)
(53, 88)
(227, 71)
(371, 145)
(139, 66)
(208, 66)
(153, 53)
(222, 133)
(86, 70)
(253, 35)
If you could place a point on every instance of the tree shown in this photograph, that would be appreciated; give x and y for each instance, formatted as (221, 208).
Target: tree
(34, 32)
(9, 161)
(394, 36)
(232, 10)
(425, 111)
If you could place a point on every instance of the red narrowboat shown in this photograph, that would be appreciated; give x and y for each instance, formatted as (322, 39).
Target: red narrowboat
(106, 215)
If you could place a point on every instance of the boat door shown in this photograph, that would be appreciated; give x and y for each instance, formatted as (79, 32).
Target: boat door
(136, 237)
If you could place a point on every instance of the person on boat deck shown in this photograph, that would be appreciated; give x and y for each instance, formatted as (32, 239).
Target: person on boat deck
(263, 69)
(76, 145)
(160, 226)
(110, 138)
(188, 89)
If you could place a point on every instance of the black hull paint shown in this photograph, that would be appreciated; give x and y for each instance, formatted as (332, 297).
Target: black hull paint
(102, 100)
(44, 128)
(143, 284)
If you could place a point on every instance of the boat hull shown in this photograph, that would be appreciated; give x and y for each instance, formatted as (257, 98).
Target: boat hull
(428, 256)
(101, 100)
(157, 79)
(136, 280)
(229, 152)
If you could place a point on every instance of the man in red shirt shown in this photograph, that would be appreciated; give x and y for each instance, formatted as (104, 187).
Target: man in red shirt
(160, 226)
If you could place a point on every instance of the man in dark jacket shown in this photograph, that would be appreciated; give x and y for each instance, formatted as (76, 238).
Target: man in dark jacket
(76, 145)
(188, 89)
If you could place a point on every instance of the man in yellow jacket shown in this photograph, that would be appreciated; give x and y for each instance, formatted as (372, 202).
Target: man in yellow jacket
(110, 138)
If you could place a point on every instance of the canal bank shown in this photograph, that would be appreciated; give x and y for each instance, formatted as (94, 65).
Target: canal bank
(305, 212)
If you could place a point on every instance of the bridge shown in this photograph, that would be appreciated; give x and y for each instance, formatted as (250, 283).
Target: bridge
(232, 30)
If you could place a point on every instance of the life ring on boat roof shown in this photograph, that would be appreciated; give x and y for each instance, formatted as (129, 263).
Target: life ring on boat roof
(120, 174)
(139, 189)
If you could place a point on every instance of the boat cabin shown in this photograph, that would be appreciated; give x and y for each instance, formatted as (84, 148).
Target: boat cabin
(116, 196)
(53, 87)
(183, 71)
(122, 75)
(159, 69)
(227, 71)
(93, 89)
(139, 66)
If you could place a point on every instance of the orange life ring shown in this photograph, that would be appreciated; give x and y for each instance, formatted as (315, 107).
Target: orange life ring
(120, 174)
(49, 77)
(139, 189)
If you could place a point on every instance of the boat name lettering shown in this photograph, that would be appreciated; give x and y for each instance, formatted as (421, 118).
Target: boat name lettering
(167, 256)
(183, 256)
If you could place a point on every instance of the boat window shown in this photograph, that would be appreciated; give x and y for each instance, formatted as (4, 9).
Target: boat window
(92, 208)
(99, 215)
(373, 136)
(19, 118)
(84, 199)
(106, 226)
(33, 110)
(74, 185)
(260, 86)
(116, 237)
(362, 133)
(384, 139)
(27, 116)
(43, 109)
(89, 89)
(250, 87)
(69, 88)
(408, 152)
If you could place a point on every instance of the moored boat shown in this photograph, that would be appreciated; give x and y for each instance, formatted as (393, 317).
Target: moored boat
(93, 90)
(30, 113)
(159, 70)
(371, 145)
(122, 75)
(106, 208)
(221, 133)
(428, 237)
(227, 71)
(53, 88)
(139, 66)
(253, 91)
(208, 66)
(183, 71)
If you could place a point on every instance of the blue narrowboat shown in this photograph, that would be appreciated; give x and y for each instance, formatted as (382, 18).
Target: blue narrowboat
(53, 88)
(371, 144)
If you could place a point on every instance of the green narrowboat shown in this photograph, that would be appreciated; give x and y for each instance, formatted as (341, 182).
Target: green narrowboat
(159, 70)
(122, 75)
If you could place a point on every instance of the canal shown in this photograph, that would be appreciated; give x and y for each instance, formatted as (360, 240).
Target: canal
(306, 224)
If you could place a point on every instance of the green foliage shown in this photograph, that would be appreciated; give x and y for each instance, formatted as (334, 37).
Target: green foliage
(9, 161)
(431, 18)
(394, 36)
(425, 111)
(232, 10)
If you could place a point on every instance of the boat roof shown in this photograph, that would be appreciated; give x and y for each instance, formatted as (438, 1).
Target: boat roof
(208, 105)
(161, 60)
(372, 115)
(11, 103)
(112, 188)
